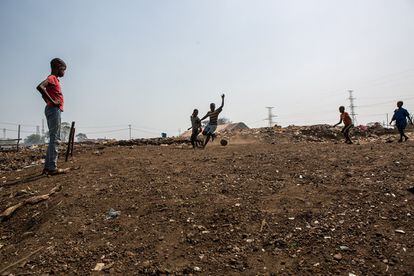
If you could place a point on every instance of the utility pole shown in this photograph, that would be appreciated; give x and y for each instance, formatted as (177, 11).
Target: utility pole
(352, 106)
(130, 134)
(270, 115)
(18, 138)
(43, 127)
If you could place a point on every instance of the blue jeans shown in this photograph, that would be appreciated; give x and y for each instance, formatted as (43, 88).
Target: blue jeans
(53, 123)
(209, 129)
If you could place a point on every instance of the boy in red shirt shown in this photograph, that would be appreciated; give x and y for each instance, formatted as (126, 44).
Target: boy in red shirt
(52, 94)
(347, 124)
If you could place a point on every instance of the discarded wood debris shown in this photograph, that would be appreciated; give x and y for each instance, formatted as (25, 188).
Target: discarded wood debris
(3, 270)
(32, 200)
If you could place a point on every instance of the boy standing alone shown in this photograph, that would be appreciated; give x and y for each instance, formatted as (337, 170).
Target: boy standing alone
(52, 95)
(346, 119)
(400, 117)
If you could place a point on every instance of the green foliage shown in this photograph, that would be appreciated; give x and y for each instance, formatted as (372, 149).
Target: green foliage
(81, 137)
(34, 139)
(64, 131)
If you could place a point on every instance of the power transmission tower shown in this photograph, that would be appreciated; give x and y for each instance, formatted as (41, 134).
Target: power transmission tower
(270, 115)
(130, 134)
(352, 106)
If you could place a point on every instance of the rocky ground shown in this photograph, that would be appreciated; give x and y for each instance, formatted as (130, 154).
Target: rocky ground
(268, 203)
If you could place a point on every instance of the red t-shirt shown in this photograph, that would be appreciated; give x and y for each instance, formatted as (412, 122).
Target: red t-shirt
(346, 119)
(53, 88)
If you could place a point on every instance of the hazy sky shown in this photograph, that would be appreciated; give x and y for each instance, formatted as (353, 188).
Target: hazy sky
(149, 63)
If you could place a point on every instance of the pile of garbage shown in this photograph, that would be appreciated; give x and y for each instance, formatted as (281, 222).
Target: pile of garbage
(316, 133)
(153, 142)
(25, 157)
(321, 133)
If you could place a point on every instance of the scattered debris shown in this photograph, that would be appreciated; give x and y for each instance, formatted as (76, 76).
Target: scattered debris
(5, 269)
(32, 200)
(99, 267)
(335, 210)
(112, 214)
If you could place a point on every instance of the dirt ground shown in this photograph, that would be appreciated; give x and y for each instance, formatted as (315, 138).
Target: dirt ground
(254, 208)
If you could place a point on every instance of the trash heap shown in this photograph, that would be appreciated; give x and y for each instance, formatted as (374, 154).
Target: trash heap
(26, 157)
(153, 142)
(316, 133)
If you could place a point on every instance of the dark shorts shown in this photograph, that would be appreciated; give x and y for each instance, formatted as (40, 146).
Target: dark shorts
(195, 133)
(401, 126)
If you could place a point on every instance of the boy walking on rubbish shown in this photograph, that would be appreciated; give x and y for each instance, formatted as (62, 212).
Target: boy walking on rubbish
(400, 117)
(52, 95)
(196, 126)
(346, 119)
(212, 125)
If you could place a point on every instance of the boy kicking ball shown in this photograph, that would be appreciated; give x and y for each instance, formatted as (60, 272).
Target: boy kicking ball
(209, 130)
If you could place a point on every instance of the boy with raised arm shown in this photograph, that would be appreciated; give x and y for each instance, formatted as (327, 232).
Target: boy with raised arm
(212, 125)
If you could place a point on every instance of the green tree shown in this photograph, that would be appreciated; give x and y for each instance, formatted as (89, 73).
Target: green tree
(34, 139)
(64, 131)
(81, 137)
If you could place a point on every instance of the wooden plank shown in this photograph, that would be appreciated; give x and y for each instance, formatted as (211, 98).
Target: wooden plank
(73, 141)
(71, 133)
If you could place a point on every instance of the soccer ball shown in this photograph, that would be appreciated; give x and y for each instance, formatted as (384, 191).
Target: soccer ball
(223, 142)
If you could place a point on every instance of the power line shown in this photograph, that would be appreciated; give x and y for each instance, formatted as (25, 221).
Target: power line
(387, 102)
(371, 82)
(108, 131)
(100, 126)
(142, 130)
(16, 124)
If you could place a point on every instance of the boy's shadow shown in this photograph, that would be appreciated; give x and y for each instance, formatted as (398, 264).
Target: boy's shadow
(26, 179)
